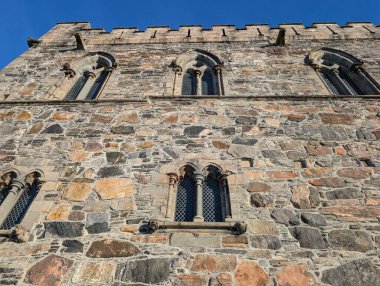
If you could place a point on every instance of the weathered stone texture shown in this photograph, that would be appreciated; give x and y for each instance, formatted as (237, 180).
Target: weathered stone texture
(302, 166)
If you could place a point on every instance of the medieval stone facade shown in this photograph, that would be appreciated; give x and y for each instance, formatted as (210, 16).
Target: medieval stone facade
(195, 156)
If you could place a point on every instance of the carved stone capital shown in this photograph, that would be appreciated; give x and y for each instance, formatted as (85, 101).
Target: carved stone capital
(177, 69)
(357, 66)
(198, 73)
(90, 74)
(218, 69)
(173, 179)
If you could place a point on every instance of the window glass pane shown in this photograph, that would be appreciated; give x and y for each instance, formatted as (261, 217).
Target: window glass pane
(189, 86)
(77, 87)
(332, 87)
(212, 203)
(186, 196)
(3, 194)
(349, 83)
(21, 207)
(207, 83)
(97, 86)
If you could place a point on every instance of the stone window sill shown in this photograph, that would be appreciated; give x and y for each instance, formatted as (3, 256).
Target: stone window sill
(235, 227)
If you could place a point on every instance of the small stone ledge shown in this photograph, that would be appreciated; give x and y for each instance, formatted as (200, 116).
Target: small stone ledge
(235, 227)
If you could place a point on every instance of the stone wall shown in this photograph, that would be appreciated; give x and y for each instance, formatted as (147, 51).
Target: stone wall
(305, 179)
(252, 66)
(304, 166)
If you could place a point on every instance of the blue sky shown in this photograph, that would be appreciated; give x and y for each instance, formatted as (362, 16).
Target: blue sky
(32, 18)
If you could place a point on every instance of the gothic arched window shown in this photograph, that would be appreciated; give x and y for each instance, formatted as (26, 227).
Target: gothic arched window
(197, 73)
(202, 196)
(85, 78)
(17, 196)
(342, 73)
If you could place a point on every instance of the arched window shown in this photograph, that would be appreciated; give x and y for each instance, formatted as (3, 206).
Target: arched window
(189, 83)
(208, 83)
(85, 78)
(186, 196)
(342, 73)
(18, 196)
(202, 196)
(197, 73)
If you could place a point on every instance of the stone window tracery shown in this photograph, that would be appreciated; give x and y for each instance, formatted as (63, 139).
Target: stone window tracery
(342, 73)
(17, 194)
(197, 73)
(201, 196)
(84, 79)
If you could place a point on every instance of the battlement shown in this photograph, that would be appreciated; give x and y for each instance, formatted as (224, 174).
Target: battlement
(63, 33)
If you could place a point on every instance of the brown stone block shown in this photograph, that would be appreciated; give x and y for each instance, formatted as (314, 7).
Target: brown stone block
(146, 144)
(114, 188)
(76, 216)
(112, 248)
(11, 249)
(340, 151)
(61, 116)
(94, 147)
(170, 119)
(334, 182)
(296, 117)
(214, 263)
(162, 239)
(94, 273)
(353, 213)
(318, 150)
(316, 172)
(50, 271)
(254, 175)
(78, 156)
(36, 128)
(77, 192)
(59, 213)
(101, 118)
(220, 144)
(332, 118)
(145, 131)
(372, 202)
(376, 133)
(296, 275)
(4, 116)
(235, 241)
(260, 253)
(23, 116)
(131, 228)
(130, 117)
(258, 187)
(355, 173)
(282, 175)
(250, 274)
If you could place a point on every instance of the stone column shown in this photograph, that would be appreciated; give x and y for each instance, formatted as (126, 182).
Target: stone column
(177, 71)
(90, 77)
(17, 189)
(218, 71)
(173, 179)
(199, 178)
(225, 195)
(199, 81)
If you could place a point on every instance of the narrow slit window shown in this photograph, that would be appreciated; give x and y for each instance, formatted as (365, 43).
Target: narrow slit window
(77, 87)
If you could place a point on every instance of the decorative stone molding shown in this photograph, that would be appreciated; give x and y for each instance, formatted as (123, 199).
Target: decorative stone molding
(152, 225)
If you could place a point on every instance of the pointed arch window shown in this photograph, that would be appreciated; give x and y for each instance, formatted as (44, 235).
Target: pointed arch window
(202, 74)
(17, 195)
(342, 73)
